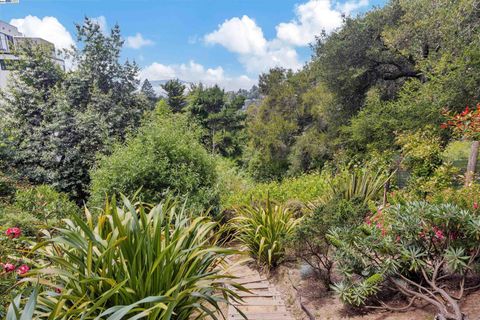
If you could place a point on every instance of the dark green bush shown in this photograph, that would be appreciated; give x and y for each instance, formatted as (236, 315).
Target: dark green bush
(165, 156)
(7, 188)
(309, 242)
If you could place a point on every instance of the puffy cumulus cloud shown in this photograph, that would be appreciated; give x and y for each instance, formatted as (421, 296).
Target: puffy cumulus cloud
(195, 72)
(137, 41)
(240, 35)
(245, 38)
(48, 28)
(313, 17)
(275, 55)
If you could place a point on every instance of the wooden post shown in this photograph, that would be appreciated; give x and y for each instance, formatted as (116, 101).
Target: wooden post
(472, 163)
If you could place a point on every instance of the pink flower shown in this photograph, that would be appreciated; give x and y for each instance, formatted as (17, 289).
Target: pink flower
(8, 267)
(23, 269)
(475, 205)
(398, 238)
(13, 232)
(439, 234)
(368, 221)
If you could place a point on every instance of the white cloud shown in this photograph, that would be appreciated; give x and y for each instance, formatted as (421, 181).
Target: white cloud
(137, 41)
(102, 23)
(276, 54)
(244, 37)
(195, 72)
(351, 6)
(258, 54)
(313, 17)
(48, 28)
(240, 35)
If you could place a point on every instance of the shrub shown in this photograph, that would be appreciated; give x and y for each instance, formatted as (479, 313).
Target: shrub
(37, 207)
(309, 241)
(263, 229)
(164, 156)
(7, 188)
(135, 262)
(466, 197)
(305, 188)
(422, 251)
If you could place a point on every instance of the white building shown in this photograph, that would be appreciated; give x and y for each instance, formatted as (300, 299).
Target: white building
(10, 40)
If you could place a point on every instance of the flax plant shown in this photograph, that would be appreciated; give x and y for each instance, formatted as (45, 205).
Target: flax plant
(134, 262)
(262, 229)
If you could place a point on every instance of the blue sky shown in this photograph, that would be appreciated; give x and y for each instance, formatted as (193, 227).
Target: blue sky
(215, 41)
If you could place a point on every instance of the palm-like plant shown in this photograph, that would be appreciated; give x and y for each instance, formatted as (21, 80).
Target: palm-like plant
(361, 183)
(135, 262)
(263, 229)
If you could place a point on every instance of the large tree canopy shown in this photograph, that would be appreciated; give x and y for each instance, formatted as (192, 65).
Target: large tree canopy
(55, 122)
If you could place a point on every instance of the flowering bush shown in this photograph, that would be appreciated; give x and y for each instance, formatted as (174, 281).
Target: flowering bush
(13, 246)
(422, 251)
(465, 123)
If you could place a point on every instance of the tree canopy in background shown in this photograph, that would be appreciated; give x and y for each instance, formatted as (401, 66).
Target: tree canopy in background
(55, 122)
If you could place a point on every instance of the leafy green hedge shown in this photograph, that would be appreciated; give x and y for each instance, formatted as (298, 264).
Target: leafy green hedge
(165, 156)
(304, 188)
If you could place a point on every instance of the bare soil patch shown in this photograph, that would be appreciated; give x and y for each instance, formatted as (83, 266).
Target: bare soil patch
(325, 305)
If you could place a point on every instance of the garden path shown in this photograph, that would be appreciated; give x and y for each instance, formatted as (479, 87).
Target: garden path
(263, 302)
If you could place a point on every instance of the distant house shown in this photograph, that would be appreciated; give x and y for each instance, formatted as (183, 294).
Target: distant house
(10, 40)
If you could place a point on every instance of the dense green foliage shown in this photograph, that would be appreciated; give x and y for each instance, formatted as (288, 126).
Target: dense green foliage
(305, 189)
(36, 208)
(221, 118)
(55, 121)
(175, 90)
(166, 266)
(365, 117)
(165, 156)
(309, 241)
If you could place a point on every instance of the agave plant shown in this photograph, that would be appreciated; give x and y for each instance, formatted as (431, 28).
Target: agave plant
(361, 183)
(262, 229)
(134, 262)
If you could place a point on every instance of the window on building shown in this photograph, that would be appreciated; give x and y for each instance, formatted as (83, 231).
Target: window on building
(7, 64)
(3, 42)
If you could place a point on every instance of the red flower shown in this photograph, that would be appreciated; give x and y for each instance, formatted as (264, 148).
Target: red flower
(466, 111)
(8, 267)
(13, 233)
(475, 205)
(23, 269)
(58, 290)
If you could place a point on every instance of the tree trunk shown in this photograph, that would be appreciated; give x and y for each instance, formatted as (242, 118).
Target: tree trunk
(472, 163)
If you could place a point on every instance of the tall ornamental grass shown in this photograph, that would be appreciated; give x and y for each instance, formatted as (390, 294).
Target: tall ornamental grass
(263, 229)
(134, 262)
